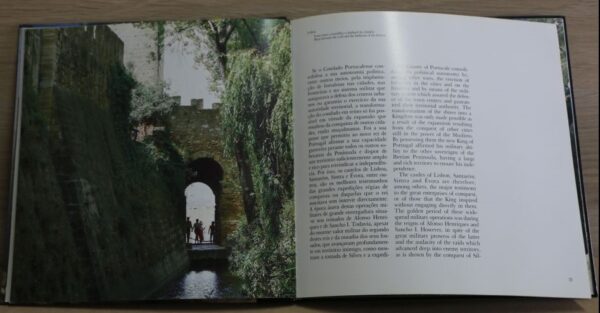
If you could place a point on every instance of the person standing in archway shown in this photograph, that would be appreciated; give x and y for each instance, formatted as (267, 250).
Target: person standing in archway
(201, 232)
(188, 229)
(197, 227)
(211, 232)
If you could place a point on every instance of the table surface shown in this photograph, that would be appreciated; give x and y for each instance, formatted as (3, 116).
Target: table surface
(582, 23)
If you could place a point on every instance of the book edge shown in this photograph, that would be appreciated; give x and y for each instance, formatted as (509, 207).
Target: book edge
(15, 162)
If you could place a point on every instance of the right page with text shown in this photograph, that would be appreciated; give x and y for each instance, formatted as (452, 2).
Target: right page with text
(433, 156)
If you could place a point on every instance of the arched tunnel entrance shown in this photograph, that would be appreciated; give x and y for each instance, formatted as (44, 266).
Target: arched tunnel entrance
(209, 275)
(200, 206)
(197, 132)
(209, 172)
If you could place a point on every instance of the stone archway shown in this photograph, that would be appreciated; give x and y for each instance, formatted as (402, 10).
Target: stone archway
(209, 172)
(200, 205)
(197, 132)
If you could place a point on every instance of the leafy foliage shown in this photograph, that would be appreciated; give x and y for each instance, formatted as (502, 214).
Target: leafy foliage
(281, 116)
(266, 264)
(256, 112)
(151, 104)
(213, 40)
(134, 103)
(246, 96)
(157, 155)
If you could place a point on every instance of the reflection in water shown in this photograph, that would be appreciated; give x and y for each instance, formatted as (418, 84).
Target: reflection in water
(204, 282)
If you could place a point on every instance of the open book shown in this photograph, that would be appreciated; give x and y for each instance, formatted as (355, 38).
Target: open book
(352, 154)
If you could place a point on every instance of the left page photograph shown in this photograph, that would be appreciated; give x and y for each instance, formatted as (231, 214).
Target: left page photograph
(152, 161)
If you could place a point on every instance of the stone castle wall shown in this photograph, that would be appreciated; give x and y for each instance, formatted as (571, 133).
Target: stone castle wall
(95, 220)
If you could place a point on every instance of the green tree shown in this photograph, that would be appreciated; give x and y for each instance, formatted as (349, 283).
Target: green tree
(150, 105)
(256, 116)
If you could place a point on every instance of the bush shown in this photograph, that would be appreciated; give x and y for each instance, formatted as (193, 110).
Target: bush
(266, 265)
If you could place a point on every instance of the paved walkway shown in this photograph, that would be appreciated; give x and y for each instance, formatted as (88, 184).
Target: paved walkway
(205, 247)
(207, 251)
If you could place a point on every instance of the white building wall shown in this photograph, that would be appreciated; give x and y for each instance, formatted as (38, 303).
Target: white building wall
(178, 68)
(139, 43)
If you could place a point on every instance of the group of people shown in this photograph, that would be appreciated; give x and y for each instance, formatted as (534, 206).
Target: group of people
(198, 231)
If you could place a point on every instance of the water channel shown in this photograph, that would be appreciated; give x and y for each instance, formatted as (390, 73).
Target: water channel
(204, 281)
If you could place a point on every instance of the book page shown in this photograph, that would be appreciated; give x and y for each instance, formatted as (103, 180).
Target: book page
(432, 156)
